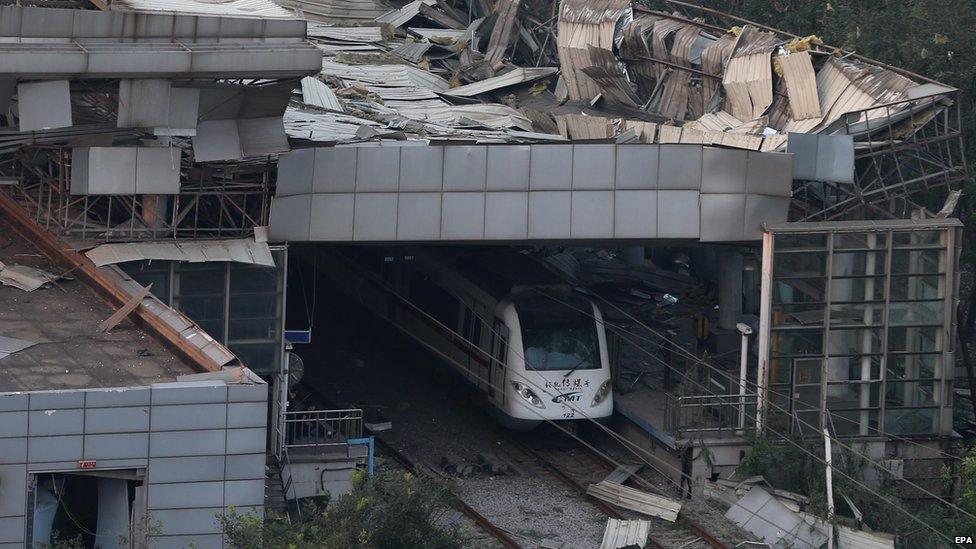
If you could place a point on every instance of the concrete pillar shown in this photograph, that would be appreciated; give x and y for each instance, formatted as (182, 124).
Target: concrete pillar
(729, 289)
(634, 256)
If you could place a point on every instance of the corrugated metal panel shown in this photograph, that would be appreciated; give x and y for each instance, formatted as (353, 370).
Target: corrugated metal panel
(315, 92)
(801, 85)
(511, 78)
(387, 75)
(236, 250)
(848, 538)
(625, 533)
(345, 34)
(235, 8)
(339, 11)
(400, 16)
(10, 345)
(635, 500)
(581, 25)
(763, 515)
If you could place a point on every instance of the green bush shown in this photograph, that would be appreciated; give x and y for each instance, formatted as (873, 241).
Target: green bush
(393, 510)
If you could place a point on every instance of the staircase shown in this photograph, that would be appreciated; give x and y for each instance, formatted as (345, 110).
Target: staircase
(274, 493)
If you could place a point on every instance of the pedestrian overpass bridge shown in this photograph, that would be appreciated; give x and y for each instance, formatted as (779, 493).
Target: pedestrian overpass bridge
(518, 193)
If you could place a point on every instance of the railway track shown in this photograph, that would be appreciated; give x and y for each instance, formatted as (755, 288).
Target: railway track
(578, 466)
(499, 534)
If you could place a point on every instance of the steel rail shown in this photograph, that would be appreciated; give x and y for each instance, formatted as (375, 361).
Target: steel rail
(501, 535)
(706, 536)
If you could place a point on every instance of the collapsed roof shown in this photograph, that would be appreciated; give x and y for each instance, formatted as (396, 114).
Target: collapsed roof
(620, 70)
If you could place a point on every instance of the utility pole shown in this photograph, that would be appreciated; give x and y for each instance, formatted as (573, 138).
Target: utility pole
(745, 330)
(830, 491)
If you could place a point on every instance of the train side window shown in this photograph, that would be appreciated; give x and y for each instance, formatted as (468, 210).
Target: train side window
(466, 323)
(475, 336)
(433, 300)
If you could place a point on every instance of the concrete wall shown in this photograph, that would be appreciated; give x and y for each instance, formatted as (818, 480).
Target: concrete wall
(201, 443)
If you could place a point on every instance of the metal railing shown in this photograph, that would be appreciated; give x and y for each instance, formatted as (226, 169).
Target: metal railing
(322, 428)
(706, 414)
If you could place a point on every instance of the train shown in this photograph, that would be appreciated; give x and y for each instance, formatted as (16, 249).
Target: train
(534, 349)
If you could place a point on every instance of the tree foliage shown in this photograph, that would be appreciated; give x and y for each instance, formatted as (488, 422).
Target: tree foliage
(391, 511)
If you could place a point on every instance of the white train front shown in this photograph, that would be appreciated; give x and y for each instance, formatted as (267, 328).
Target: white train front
(557, 361)
(536, 352)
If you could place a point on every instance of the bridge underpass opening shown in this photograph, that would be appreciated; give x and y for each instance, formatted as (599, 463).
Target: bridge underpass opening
(377, 303)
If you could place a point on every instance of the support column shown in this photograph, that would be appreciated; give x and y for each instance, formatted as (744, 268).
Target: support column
(634, 256)
(729, 289)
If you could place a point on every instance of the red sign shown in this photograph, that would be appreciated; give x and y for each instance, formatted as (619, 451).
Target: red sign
(86, 464)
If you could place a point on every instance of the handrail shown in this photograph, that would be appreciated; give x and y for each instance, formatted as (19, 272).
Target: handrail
(322, 428)
(286, 485)
(706, 413)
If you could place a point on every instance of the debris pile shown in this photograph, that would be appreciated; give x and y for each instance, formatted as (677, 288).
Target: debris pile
(539, 71)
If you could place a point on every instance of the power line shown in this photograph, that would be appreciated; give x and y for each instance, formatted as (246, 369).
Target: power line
(816, 429)
(821, 460)
(769, 390)
(615, 435)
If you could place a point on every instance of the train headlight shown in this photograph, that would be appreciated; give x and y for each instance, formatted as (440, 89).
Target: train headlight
(602, 393)
(527, 394)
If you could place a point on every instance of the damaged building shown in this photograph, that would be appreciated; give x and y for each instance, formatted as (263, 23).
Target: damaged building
(745, 205)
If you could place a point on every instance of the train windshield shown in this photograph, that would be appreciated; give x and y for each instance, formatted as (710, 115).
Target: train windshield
(558, 335)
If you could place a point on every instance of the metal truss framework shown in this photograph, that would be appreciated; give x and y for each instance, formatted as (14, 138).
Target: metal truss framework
(215, 200)
(902, 149)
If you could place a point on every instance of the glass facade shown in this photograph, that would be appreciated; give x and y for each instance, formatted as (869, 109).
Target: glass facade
(860, 324)
(238, 304)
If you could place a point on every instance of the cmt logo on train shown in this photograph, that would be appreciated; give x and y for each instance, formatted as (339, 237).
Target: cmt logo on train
(568, 397)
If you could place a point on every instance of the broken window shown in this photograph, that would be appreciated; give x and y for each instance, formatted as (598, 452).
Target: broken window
(858, 324)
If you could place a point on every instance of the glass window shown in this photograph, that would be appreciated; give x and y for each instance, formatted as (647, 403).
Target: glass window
(557, 336)
(802, 290)
(905, 239)
(910, 421)
(798, 315)
(917, 261)
(874, 241)
(796, 342)
(807, 397)
(902, 394)
(915, 340)
(849, 368)
(916, 313)
(860, 341)
(841, 396)
(871, 288)
(913, 366)
(805, 264)
(857, 314)
(848, 422)
(151, 272)
(858, 263)
(780, 372)
(790, 241)
(917, 287)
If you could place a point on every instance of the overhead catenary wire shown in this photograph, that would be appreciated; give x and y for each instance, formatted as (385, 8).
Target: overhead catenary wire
(804, 422)
(735, 380)
(816, 429)
(628, 443)
(822, 461)
(639, 451)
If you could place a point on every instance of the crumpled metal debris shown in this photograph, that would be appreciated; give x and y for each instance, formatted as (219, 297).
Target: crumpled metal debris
(24, 277)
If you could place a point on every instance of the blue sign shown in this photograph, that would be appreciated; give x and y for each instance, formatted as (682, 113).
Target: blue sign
(298, 336)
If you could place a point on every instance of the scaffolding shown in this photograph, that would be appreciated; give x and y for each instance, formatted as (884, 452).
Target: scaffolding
(216, 200)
